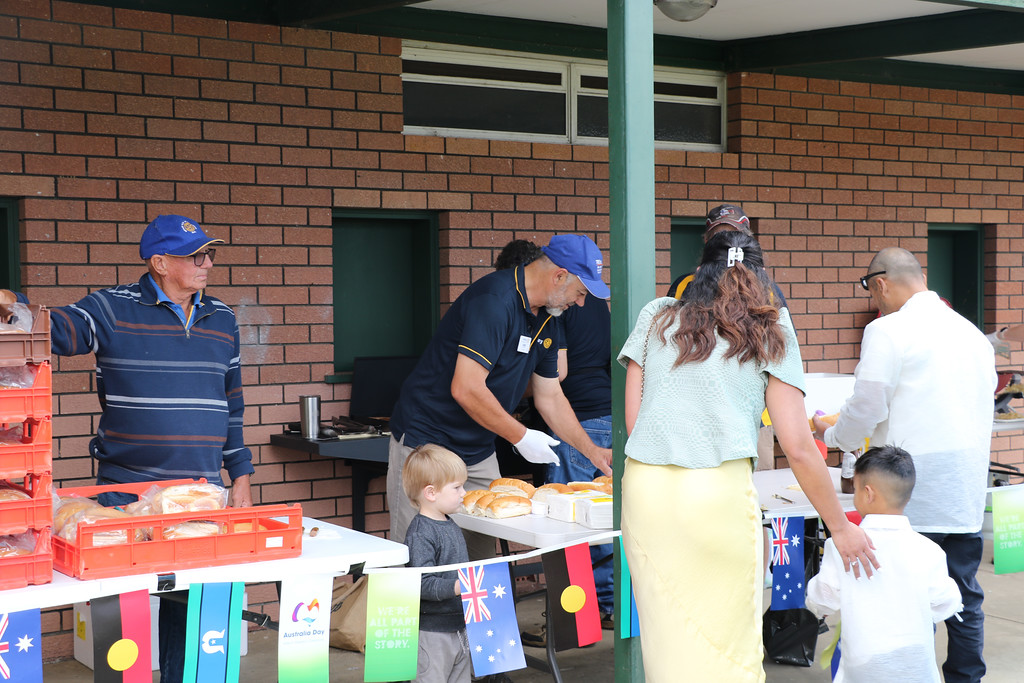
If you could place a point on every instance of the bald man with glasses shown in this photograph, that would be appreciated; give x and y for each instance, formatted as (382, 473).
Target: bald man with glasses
(169, 381)
(925, 382)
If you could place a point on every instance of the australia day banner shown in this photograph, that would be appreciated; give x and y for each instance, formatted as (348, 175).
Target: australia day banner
(392, 626)
(1008, 529)
(304, 629)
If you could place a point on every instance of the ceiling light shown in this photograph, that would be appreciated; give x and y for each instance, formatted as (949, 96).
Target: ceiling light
(684, 10)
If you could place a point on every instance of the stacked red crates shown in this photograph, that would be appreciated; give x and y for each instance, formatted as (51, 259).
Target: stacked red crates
(26, 450)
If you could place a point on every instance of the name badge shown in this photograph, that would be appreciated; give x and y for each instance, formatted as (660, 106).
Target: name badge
(524, 344)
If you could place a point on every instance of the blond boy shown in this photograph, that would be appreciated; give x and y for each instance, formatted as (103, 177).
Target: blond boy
(434, 479)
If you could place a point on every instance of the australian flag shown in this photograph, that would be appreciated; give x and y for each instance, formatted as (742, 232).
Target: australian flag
(491, 625)
(20, 640)
(788, 584)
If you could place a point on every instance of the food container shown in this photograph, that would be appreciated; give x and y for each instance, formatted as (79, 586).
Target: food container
(252, 534)
(18, 571)
(36, 512)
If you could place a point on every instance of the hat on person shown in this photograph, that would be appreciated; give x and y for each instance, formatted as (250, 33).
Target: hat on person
(173, 235)
(580, 256)
(728, 214)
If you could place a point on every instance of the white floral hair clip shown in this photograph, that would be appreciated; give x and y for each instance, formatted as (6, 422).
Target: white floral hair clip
(735, 254)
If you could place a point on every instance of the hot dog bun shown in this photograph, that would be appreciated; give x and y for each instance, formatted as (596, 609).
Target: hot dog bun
(510, 485)
(508, 506)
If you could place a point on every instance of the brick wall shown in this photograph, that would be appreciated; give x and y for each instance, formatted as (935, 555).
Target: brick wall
(109, 117)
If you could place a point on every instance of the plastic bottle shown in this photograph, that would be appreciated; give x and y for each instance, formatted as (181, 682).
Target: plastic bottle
(846, 472)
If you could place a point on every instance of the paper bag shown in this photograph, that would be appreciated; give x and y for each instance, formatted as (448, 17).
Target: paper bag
(348, 615)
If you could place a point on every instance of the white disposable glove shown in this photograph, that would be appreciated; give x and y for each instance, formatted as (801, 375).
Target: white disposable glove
(535, 446)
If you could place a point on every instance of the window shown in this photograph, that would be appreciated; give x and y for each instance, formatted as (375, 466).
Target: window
(385, 286)
(955, 268)
(511, 96)
(10, 263)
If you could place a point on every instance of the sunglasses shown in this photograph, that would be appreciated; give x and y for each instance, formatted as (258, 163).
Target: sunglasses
(199, 258)
(866, 278)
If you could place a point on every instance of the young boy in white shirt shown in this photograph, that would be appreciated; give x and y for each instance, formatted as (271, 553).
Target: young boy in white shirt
(434, 480)
(887, 621)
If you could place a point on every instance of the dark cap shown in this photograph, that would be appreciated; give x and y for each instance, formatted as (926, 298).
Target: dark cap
(728, 214)
(174, 235)
(580, 256)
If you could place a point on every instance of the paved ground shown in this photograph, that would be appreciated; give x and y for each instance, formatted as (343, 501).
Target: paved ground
(1004, 647)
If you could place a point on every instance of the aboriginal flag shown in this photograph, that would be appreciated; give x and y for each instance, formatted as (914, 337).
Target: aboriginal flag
(121, 642)
(572, 599)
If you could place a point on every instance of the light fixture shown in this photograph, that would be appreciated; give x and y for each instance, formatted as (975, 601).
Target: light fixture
(684, 10)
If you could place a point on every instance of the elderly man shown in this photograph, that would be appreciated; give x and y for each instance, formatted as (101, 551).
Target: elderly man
(925, 382)
(496, 338)
(168, 378)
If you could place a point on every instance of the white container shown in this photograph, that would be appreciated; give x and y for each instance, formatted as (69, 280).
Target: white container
(595, 513)
(538, 508)
(562, 506)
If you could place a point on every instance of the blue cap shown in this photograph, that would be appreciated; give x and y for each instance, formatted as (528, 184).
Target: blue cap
(174, 235)
(580, 256)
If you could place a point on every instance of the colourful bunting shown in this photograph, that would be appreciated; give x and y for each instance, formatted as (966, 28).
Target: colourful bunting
(20, 652)
(788, 585)
(572, 598)
(121, 638)
(628, 628)
(214, 632)
(1008, 529)
(491, 625)
(392, 626)
(304, 629)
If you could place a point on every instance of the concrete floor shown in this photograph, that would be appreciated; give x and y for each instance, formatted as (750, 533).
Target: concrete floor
(1004, 647)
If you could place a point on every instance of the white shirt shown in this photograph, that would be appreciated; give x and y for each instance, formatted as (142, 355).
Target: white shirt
(886, 623)
(926, 382)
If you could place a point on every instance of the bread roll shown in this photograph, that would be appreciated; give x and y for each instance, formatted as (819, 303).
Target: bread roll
(603, 479)
(542, 493)
(508, 506)
(510, 485)
(190, 498)
(585, 486)
(482, 502)
(7, 493)
(830, 419)
(106, 537)
(469, 500)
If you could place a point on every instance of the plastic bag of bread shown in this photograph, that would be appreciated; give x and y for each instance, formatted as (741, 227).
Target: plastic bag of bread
(17, 544)
(115, 536)
(64, 509)
(514, 486)
(192, 529)
(9, 492)
(194, 497)
(508, 506)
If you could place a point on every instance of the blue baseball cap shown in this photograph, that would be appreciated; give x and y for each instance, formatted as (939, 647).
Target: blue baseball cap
(580, 256)
(174, 235)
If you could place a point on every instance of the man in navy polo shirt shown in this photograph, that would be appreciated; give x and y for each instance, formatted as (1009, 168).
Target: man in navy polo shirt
(498, 337)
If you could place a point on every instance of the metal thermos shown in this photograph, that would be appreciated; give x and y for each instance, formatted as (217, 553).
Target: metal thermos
(309, 416)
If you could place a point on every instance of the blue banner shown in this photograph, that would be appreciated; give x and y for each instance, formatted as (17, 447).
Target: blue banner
(491, 626)
(20, 647)
(214, 633)
(788, 585)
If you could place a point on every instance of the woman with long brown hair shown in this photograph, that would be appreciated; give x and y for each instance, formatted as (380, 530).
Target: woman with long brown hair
(700, 371)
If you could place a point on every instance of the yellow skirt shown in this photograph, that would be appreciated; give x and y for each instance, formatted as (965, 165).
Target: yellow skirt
(694, 542)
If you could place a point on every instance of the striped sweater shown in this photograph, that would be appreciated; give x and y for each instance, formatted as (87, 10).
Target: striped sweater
(171, 398)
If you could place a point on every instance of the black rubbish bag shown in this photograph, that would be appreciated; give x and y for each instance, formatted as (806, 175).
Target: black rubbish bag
(790, 636)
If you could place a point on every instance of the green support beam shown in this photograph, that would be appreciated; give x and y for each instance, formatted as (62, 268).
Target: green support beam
(631, 206)
(1017, 5)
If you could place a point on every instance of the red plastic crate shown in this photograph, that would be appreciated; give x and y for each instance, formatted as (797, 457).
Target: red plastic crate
(266, 538)
(20, 348)
(17, 516)
(18, 571)
(34, 455)
(32, 403)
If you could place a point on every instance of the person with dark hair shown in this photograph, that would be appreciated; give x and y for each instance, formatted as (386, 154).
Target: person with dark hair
(888, 631)
(517, 253)
(925, 380)
(699, 373)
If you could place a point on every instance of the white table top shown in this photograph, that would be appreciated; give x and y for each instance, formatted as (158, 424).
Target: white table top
(770, 483)
(535, 531)
(334, 550)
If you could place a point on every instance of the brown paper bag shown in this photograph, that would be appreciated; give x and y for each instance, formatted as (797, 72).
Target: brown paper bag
(348, 615)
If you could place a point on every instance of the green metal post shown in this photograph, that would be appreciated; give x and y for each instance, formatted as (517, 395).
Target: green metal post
(631, 204)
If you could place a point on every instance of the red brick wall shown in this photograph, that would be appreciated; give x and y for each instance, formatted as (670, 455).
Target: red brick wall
(109, 117)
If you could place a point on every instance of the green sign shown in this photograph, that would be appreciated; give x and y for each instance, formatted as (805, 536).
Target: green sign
(1008, 529)
(392, 626)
